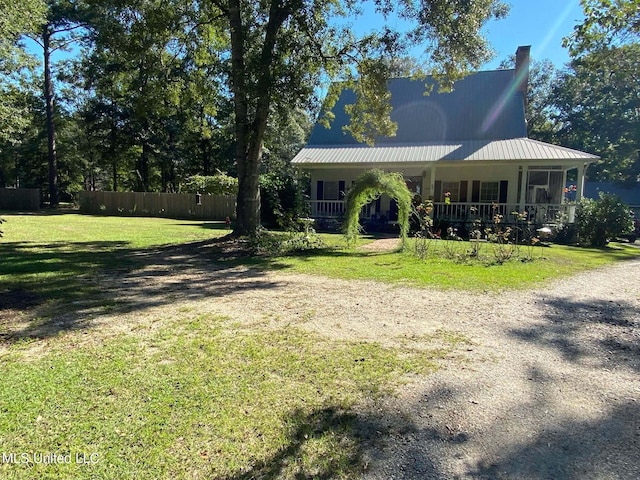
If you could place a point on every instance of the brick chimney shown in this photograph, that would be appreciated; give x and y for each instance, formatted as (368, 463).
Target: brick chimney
(522, 70)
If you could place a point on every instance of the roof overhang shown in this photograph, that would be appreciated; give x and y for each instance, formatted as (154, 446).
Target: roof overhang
(517, 149)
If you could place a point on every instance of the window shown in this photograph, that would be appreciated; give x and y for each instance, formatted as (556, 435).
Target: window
(414, 184)
(545, 186)
(489, 192)
(453, 188)
(330, 190)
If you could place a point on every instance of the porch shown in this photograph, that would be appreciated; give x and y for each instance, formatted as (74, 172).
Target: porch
(457, 212)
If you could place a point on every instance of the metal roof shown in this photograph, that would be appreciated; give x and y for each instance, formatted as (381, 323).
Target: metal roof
(482, 106)
(470, 150)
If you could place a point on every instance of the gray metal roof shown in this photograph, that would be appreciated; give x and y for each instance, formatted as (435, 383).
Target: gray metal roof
(482, 106)
(471, 150)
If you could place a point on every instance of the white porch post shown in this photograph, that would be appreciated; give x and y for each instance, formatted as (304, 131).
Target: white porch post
(432, 182)
(523, 189)
(580, 182)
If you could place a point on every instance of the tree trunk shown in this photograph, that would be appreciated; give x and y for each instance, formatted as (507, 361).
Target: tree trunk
(54, 197)
(113, 137)
(143, 167)
(250, 134)
(114, 172)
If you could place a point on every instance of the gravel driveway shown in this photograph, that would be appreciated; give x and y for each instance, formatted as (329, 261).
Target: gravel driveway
(551, 389)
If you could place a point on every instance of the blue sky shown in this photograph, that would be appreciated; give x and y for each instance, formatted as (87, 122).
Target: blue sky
(539, 23)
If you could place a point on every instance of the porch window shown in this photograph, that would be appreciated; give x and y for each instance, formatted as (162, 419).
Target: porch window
(414, 184)
(489, 192)
(331, 190)
(545, 186)
(453, 188)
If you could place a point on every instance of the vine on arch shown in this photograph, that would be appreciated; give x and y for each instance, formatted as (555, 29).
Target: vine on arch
(369, 186)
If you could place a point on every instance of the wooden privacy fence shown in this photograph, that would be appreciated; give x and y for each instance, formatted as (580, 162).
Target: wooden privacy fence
(19, 199)
(171, 205)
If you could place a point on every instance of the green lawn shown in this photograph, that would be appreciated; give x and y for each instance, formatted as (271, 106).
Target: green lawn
(182, 394)
(437, 270)
(52, 255)
(199, 398)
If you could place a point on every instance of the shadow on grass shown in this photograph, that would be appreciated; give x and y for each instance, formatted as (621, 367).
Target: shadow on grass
(330, 423)
(327, 443)
(50, 288)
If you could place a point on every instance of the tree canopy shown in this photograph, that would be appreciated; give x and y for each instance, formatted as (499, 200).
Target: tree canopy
(607, 23)
(18, 18)
(161, 90)
(598, 110)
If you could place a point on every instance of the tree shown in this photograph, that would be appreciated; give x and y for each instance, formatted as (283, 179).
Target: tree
(279, 50)
(598, 103)
(154, 73)
(608, 23)
(603, 78)
(60, 29)
(18, 18)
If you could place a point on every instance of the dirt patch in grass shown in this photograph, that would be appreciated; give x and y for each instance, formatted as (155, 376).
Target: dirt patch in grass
(381, 245)
(16, 310)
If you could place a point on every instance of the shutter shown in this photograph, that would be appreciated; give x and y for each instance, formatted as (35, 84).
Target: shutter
(341, 190)
(437, 191)
(502, 195)
(464, 187)
(320, 190)
(475, 191)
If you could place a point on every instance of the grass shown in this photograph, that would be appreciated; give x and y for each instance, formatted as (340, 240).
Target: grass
(199, 398)
(182, 394)
(54, 255)
(439, 270)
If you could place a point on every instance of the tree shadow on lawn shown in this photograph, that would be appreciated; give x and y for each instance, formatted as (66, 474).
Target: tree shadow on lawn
(603, 331)
(351, 436)
(50, 288)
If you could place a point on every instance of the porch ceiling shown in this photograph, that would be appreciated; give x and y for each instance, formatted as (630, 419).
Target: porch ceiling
(473, 150)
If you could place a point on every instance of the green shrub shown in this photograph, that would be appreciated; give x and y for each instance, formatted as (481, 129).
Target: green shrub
(218, 184)
(599, 221)
(282, 201)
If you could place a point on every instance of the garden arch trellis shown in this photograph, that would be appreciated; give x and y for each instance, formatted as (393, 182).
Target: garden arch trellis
(369, 186)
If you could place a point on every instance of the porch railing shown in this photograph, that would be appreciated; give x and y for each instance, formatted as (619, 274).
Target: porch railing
(327, 208)
(468, 212)
(464, 211)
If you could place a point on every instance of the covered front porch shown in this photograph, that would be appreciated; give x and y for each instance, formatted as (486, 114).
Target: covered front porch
(464, 193)
(463, 212)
